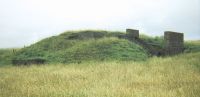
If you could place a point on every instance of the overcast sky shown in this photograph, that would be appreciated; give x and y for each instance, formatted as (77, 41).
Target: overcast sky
(23, 22)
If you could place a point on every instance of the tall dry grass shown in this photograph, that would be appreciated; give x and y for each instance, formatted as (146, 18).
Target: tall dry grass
(177, 76)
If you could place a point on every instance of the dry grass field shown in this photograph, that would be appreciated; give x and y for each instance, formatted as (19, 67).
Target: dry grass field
(177, 76)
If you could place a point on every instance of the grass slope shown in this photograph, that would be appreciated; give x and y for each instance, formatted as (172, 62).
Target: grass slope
(88, 45)
(157, 77)
(84, 46)
(6, 56)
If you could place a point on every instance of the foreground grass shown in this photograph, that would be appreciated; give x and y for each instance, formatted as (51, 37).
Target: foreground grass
(177, 76)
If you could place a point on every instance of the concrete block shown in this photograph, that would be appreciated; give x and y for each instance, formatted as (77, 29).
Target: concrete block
(174, 42)
(132, 34)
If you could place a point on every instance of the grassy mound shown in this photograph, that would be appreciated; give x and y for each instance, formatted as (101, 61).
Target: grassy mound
(105, 49)
(83, 46)
(6, 56)
(90, 45)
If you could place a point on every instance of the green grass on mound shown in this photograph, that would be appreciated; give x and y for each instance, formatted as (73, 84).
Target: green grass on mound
(105, 49)
(6, 56)
(89, 45)
(84, 46)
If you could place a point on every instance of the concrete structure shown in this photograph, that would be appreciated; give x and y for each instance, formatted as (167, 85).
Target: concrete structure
(28, 61)
(132, 34)
(174, 42)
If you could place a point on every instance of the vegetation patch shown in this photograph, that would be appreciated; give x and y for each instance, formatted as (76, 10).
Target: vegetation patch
(192, 46)
(76, 47)
(6, 56)
(90, 45)
(105, 49)
(157, 77)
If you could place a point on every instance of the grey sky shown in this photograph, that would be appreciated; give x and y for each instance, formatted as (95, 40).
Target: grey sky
(23, 22)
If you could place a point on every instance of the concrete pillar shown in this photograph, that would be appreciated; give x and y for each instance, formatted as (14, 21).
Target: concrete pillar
(174, 42)
(132, 34)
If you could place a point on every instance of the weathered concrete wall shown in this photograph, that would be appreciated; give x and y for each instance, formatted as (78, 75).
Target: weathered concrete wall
(132, 34)
(174, 42)
(28, 61)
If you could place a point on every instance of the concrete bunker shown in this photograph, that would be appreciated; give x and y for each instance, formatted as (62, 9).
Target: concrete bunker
(132, 34)
(28, 61)
(173, 42)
